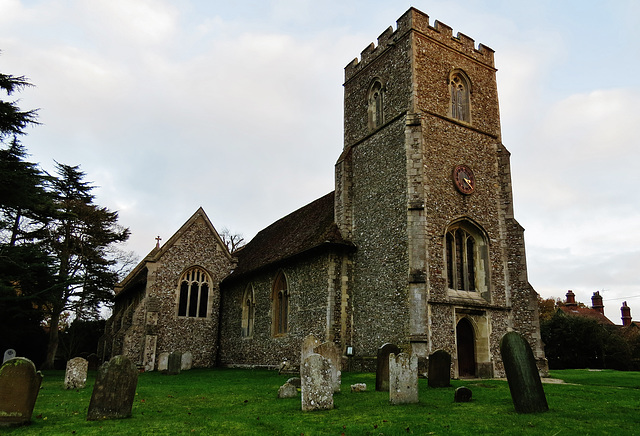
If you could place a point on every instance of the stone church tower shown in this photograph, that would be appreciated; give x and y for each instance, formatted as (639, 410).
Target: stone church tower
(423, 190)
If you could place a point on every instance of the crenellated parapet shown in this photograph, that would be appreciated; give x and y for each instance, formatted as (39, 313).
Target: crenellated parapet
(418, 21)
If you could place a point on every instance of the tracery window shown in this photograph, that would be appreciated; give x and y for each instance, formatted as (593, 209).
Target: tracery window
(460, 89)
(376, 105)
(280, 297)
(248, 312)
(466, 257)
(193, 299)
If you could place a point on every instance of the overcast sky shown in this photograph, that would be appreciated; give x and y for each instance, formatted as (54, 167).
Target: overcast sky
(237, 107)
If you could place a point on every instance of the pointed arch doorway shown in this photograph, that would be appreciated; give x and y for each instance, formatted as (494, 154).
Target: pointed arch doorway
(465, 339)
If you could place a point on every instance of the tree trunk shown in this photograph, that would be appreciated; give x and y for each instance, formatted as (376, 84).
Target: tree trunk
(52, 347)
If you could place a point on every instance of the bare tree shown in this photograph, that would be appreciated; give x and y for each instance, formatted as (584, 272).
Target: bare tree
(233, 241)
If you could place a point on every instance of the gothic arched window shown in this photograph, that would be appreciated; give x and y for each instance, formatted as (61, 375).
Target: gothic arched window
(460, 89)
(280, 297)
(466, 257)
(193, 298)
(375, 105)
(248, 312)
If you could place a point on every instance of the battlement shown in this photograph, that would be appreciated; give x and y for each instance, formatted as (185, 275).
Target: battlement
(418, 21)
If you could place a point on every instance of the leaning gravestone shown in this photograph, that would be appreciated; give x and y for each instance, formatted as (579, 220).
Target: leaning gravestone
(309, 344)
(19, 387)
(332, 353)
(439, 373)
(9, 354)
(174, 363)
(114, 390)
(522, 374)
(76, 374)
(316, 387)
(403, 378)
(163, 361)
(382, 366)
(187, 361)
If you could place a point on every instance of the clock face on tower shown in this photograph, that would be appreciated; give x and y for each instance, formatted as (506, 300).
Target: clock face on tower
(464, 179)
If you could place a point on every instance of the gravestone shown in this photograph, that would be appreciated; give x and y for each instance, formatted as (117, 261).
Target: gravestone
(287, 390)
(75, 376)
(114, 390)
(522, 374)
(309, 344)
(174, 363)
(382, 366)
(94, 361)
(9, 354)
(403, 378)
(439, 372)
(19, 387)
(294, 381)
(332, 353)
(187, 361)
(316, 387)
(462, 395)
(359, 387)
(163, 361)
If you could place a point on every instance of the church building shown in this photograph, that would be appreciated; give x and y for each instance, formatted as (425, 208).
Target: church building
(417, 246)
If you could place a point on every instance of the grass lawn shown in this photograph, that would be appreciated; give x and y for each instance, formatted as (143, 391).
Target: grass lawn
(243, 402)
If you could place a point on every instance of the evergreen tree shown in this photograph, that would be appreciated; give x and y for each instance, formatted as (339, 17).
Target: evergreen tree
(25, 203)
(79, 238)
(13, 121)
(26, 270)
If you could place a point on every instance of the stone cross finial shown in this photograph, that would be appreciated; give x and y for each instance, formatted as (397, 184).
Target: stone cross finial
(158, 239)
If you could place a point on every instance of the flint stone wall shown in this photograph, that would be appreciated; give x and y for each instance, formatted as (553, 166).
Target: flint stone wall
(308, 295)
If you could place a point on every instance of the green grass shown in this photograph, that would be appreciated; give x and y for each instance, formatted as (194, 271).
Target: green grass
(243, 402)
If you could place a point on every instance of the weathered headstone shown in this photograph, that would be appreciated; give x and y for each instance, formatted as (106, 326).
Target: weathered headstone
(9, 354)
(174, 363)
(75, 376)
(309, 344)
(94, 361)
(287, 390)
(332, 353)
(163, 361)
(439, 373)
(316, 387)
(522, 374)
(294, 381)
(359, 387)
(382, 366)
(462, 395)
(19, 387)
(187, 361)
(403, 378)
(114, 390)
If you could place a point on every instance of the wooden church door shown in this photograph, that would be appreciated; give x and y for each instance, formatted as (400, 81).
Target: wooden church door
(466, 349)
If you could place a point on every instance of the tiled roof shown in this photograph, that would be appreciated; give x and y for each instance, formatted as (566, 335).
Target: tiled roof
(587, 313)
(309, 227)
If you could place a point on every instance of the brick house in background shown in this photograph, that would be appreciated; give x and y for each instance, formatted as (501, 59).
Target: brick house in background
(417, 245)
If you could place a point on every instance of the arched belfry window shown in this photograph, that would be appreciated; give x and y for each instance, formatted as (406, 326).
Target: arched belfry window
(194, 289)
(376, 105)
(248, 312)
(280, 312)
(466, 257)
(460, 89)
